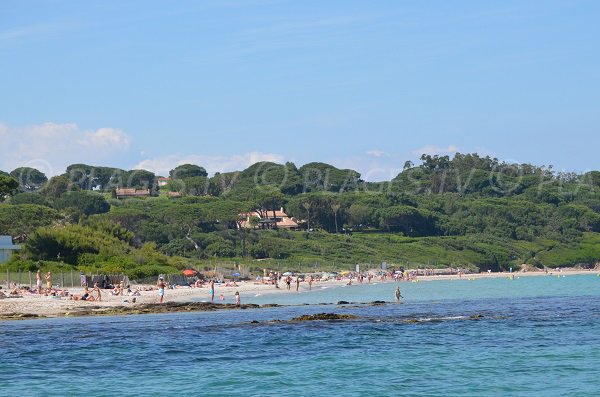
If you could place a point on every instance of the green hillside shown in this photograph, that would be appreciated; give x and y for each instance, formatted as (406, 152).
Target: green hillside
(468, 211)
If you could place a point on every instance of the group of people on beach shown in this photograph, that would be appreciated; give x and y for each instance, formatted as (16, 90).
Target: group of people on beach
(95, 294)
(162, 285)
(48, 290)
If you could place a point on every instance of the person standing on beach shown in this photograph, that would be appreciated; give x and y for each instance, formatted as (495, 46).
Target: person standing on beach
(237, 298)
(288, 282)
(297, 283)
(161, 288)
(212, 291)
(310, 281)
(397, 294)
(96, 289)
(38, 281)
(49, 280)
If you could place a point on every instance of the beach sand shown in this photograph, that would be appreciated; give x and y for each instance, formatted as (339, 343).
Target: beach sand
(46, 306)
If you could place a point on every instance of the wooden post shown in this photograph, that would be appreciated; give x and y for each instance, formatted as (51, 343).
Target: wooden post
(30, 284)
(7, 279)
(72, 280)
(62, 279)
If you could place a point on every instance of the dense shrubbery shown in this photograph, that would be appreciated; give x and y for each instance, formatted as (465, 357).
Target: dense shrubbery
(468, 210)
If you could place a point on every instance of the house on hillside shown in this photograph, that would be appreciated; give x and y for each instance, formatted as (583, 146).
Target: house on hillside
(268, 220)
(122, 193)
(162, 181)
(7, 248)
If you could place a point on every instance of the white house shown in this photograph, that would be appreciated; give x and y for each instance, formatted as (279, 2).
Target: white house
(270, 219)
(7, 247)
(162, 181)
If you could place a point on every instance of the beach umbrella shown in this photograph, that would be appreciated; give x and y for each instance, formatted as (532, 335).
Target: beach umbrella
(287, 274)
(235, 275)
(189, 272)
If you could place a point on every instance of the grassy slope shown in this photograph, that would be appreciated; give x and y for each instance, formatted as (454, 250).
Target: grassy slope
(329, 251)
(585, 251)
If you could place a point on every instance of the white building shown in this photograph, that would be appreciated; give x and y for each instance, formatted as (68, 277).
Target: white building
(7, 247)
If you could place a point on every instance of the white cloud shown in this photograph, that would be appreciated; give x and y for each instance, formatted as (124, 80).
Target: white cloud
(105, 137)
(51, 147)
(212, 164)
(375, 153)
(433, 150)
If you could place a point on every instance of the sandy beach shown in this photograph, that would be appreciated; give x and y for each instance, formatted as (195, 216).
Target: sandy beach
(49, 306)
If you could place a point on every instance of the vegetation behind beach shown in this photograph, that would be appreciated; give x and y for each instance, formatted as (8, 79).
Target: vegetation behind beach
(469, 211)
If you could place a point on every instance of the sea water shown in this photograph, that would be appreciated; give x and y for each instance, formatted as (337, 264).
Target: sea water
(532, 336)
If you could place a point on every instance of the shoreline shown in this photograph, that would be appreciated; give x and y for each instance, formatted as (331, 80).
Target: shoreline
(185, 299)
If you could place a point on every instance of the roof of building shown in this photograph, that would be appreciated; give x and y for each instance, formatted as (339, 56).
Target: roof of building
(6, 243)
(281, 219)
(268, 214)
(132, 192)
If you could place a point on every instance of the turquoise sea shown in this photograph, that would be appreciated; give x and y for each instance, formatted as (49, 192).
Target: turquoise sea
(532, 336)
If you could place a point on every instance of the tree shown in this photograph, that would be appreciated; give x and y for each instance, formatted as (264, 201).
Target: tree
(88, 177)
(30, 198)
(410, 220)
(254, 221)
(222, 183)
(286, 177)
(29, 179)
(128, 217)
(23, 219)
(56, 186)
(325, 177)
(360, 214)
(141, 179)
(335, 207)
(306, 205)
(83, 203)
(187, 171)
(262, 198)
(195, 185)
(7, 186)
(187, 218)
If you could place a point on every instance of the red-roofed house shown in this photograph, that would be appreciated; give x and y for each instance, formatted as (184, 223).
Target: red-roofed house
(122, 193)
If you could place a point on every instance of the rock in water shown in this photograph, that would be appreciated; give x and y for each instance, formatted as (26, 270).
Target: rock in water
(325, 316)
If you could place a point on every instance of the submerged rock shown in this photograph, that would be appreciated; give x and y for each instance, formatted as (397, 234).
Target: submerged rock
(325, 316)
(148, 308)
(19, 316)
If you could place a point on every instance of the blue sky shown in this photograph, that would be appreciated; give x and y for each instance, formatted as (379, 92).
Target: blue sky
(359, 84)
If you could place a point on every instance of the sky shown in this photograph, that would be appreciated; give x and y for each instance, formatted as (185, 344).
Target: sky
(365, 85)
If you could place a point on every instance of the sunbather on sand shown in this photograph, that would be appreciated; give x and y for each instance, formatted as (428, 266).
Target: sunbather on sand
(85, 297)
